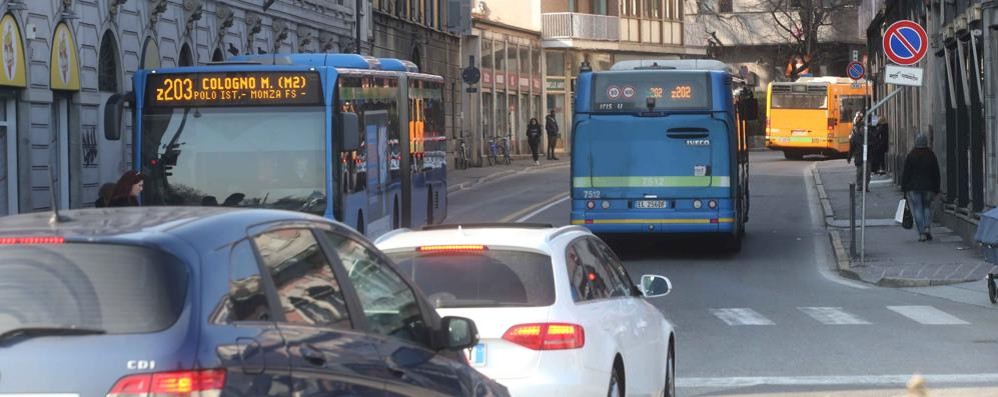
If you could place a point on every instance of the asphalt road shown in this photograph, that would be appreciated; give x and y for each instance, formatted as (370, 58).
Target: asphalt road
(774, 319)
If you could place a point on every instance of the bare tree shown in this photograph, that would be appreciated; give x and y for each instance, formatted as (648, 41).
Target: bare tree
(800, 22)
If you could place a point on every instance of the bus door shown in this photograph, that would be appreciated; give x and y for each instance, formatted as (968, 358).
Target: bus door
(634, 157)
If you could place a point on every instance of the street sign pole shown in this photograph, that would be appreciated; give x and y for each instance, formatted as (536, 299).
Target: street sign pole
(866, 139)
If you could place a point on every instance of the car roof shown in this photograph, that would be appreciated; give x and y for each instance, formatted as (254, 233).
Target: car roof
(534, 237)
(137, 224)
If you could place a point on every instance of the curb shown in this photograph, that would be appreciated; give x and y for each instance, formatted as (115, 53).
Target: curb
(826, 205)
(499, 175)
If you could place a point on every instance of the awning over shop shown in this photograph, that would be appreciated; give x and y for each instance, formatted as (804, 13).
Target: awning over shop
(12, 53)
(64, 65)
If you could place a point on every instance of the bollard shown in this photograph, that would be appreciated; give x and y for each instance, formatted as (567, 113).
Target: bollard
(852, 220)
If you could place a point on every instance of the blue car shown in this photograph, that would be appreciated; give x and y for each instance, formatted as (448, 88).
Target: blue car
(189, 301)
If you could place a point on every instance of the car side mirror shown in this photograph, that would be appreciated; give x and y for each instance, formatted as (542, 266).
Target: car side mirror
(114, 110)
(653, 286)
(351, 131)
(459, 333)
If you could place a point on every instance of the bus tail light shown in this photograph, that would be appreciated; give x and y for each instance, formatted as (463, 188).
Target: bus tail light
(712, 204)
(697, 204)
(832, 123)
(32, 240)
(605, 204)
(590, 204)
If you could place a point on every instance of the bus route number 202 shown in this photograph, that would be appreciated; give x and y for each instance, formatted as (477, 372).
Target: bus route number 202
(591, 194)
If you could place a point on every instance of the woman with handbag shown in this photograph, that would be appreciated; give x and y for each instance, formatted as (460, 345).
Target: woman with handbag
(920, 184)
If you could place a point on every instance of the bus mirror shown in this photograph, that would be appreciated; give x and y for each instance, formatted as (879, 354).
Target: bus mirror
(350, 131)
(114, 110)
(748, 109)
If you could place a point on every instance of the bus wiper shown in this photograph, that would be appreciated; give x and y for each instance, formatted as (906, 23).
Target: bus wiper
(170, 155)
(27, 332)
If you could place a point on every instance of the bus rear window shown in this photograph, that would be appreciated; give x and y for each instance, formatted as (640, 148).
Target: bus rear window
(799, 101)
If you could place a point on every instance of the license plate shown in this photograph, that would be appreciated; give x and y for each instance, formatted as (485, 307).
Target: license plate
(476, 355)
(650, 204)
(798, 133)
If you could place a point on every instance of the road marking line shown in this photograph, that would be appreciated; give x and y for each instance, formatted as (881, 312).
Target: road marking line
(518, 214)
(747, 381)
(542, 209)
(832, 315)
(741, 316)
(927, 315)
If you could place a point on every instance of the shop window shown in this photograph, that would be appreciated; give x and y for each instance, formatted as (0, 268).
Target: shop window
(555, 63)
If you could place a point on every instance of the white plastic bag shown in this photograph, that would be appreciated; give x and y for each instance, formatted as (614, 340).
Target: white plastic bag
(899, 214)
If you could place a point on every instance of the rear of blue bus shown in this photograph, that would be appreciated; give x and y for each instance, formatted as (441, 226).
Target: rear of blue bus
(653, 151)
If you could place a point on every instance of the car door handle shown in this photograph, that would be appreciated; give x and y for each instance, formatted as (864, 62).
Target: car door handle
(312, 355)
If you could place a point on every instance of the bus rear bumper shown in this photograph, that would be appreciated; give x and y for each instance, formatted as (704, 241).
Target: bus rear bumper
(660, 222)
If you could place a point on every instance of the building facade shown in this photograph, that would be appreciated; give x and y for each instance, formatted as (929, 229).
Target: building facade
(603, 32)
(747, 35)
(956, 106)
(421, 31)
(63, 59)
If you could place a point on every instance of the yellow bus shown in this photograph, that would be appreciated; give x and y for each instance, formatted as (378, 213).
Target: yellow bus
(813, 115)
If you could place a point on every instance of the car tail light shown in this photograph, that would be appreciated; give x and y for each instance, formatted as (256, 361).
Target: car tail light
(32, 240)
(203, 383)
(452, 247)
(547, 336)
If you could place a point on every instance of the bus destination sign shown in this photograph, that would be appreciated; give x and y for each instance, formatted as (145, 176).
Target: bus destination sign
(634, 91)
(233, 89)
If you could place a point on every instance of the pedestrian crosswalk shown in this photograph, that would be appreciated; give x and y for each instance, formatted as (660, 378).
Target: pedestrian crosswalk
(926, 315)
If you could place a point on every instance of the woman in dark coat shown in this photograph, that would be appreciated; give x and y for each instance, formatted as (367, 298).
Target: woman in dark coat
(534, 138)
(127, 190)
(920, 184)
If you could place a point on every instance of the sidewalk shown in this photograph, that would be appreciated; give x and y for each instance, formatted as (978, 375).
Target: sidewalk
(458, 180)
(894, 257)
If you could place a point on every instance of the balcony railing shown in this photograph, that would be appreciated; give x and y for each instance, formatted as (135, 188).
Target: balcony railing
(570, 25)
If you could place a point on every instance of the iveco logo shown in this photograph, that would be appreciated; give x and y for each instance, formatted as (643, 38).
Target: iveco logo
(698, 142)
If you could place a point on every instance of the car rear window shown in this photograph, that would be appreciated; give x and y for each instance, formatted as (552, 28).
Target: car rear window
(117, 288)
(490, 278)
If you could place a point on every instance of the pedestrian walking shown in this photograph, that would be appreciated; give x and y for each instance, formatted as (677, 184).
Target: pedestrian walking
(104, 195)
(856, 153)
(920, 184)
(551, 126)
(879, 143)
(534, 138)
(127, 190)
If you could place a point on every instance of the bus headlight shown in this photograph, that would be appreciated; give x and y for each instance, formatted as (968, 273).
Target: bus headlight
(590, 204)
(605, 204)
(697, 204)
(712, 204)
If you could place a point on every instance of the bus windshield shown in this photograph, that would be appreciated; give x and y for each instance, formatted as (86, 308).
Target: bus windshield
(800, 101)
(270, 157)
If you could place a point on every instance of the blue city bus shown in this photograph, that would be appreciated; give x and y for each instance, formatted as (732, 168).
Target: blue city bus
(657, 147)
(318, 133)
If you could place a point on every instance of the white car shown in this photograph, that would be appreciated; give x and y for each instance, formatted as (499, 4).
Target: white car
(555, 309)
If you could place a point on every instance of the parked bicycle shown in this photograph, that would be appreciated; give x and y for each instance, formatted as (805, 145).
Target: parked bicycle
(462, 159)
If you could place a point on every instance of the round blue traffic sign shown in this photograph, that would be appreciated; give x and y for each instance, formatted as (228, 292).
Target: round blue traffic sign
(855, 70)
(905, 42)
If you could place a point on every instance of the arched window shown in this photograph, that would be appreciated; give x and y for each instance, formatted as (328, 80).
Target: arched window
(107, 69)
(217, 56)
(186, 56)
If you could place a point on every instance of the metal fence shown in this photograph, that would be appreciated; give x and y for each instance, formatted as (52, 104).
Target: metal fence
(570, 25)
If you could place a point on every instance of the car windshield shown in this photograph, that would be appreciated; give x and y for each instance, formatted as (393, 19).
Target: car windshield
(235, 156)
(491, 278)
(116, 288)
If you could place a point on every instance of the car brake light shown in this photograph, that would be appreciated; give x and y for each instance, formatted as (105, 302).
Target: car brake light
(31, 240)
(180, 383)
(452, 247)
(547, 336)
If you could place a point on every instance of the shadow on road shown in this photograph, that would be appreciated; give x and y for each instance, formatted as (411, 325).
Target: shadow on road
(645, 247)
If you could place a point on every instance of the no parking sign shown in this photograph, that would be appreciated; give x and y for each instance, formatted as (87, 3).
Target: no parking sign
(905, 42)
